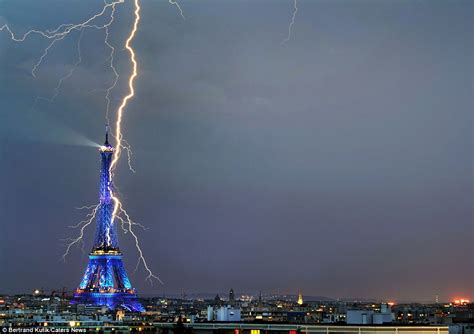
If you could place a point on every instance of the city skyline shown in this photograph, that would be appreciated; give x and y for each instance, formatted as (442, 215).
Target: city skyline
(337, 164)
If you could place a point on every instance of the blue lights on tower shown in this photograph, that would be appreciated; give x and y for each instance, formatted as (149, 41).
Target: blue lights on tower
(105, 281)
(105, 235)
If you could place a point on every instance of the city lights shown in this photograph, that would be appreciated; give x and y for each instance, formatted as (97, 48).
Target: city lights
(461, 301)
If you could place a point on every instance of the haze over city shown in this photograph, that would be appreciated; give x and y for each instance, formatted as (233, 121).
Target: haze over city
(338, 164)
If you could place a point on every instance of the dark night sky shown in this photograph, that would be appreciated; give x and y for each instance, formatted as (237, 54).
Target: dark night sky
(339, 164)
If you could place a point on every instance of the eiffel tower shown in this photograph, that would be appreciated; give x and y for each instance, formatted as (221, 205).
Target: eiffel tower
(105, 282)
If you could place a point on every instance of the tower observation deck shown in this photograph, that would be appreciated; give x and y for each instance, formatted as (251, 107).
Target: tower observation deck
(105, 281)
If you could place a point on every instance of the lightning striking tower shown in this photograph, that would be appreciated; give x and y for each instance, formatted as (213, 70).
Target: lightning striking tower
(105, 281)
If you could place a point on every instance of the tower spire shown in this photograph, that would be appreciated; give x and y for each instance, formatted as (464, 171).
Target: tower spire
(107, 135)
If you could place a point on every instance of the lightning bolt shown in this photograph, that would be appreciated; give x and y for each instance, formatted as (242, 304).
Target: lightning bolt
(56, 35)
(63, 30)
(119, 213)
(82, 226)
(176, 4)
(127, 225)
(292, 22)
(68, 74)
(112, 66)
(131, 93)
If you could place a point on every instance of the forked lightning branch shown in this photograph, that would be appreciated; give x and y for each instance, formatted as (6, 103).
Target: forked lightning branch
(54, 36)
(105, 281)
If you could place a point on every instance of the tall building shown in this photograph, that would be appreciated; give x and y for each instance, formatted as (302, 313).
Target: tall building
(105, 281)
(300, 299)
(260, 300)
(231, 297)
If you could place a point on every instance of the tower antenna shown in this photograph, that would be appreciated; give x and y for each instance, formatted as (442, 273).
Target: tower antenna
(107, 135)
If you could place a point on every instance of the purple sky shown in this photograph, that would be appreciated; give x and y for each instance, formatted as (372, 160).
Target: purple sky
(338, 165)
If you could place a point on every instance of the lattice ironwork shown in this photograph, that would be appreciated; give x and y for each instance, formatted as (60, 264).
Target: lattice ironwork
(105, 280)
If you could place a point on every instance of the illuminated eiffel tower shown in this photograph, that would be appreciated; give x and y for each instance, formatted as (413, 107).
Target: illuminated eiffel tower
(105, 281)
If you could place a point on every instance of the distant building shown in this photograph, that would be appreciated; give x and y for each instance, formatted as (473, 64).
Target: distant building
(224, 314)
(369, 317)
(217, 300)
(359, 317)
(231, 297)
(461, 329)
(300, 299)
(384, 317)
(227, 313)
(210, 313)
